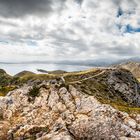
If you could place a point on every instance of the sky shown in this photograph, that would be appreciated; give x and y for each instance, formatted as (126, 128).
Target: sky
(43, 30)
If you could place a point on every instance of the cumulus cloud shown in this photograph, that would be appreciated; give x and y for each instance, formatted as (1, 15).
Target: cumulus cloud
(69, 29)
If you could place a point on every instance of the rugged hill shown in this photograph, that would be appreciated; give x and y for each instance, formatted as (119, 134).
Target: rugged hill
(5, 82)
(133, 67)
(117, 86)
(4, 78)
(23, 73)
(73, 106)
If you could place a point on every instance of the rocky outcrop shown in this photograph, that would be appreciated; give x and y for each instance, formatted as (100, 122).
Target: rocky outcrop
(123, 83)
(112, 86)
(60, 112)
(133, 67)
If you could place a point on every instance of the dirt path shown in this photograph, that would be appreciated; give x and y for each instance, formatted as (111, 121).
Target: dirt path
(79, 81)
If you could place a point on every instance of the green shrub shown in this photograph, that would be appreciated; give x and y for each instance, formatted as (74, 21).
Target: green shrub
(34, 92)
(5, 89)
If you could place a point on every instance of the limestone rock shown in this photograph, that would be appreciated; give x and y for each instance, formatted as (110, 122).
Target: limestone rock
(60, 113)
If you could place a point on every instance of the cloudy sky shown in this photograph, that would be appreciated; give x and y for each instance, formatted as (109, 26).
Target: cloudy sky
(69, 29)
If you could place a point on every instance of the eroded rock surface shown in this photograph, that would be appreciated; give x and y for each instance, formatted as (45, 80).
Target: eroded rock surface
(125, 84)
(55, 110)
(60, 113)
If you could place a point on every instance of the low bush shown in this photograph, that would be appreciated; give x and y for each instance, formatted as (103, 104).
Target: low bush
(34, 92)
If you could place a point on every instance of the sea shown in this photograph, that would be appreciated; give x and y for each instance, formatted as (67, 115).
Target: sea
(13, 69)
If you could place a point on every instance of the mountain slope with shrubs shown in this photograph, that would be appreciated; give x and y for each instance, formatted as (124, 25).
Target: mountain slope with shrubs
(93, 104)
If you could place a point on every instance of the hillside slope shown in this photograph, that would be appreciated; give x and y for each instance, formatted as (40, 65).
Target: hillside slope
(73, 106)
(114, 86)
(133, 67)
(23, 73)
(4, 78)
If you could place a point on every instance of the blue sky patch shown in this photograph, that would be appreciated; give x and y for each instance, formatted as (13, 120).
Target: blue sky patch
(130, 29)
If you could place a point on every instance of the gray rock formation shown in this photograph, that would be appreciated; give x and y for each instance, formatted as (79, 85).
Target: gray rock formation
(132, 66)
(56, 110)
(122, 82)
(60, 113)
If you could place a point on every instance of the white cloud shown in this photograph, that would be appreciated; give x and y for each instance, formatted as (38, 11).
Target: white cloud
(78, 31)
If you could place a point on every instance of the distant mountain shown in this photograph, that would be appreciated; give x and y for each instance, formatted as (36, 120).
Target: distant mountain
(122, 61)
(23, 73)
(102, 62)
(133, 67)
(89, 62)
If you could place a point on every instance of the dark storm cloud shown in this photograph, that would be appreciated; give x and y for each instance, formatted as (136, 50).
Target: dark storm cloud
(131, 3)
(19, 8)
(79, 1)
(117, 2)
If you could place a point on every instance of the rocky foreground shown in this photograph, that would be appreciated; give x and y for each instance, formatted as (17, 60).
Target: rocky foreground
(53, 110)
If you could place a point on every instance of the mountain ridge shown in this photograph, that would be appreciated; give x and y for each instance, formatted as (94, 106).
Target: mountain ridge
(88, 62)
(133, 67)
